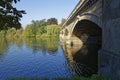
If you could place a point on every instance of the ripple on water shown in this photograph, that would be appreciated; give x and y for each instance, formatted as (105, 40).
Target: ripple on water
(26, 62)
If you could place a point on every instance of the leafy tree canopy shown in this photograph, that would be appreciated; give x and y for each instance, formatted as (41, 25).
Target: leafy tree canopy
(9, 15)
(52, 21)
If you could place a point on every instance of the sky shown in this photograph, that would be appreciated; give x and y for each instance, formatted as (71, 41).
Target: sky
(45, 9)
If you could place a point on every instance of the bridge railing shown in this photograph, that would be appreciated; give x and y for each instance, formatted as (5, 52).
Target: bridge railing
(80, 8)
(80, 3)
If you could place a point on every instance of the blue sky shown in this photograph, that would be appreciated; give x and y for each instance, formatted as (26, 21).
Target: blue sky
(45, 9)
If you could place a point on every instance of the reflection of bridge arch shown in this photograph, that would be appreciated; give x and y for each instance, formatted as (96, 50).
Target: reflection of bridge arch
(66, 32)
(89, 32)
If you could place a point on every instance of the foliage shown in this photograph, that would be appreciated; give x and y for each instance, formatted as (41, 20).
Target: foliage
(40, 28)
(36, 29)
(52, 29)
(10, 32)
(52, 21)
(18, 33)
(9, 15)
(2, 33)
(28, 31)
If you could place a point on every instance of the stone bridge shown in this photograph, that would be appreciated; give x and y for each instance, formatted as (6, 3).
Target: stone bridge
(85, 20)
(97, 22)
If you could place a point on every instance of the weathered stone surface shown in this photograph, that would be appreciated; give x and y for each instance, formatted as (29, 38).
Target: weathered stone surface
(109, 65)
(109, 55)
(111, 36)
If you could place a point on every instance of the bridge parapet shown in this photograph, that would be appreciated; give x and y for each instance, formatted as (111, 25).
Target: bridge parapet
(80, 8)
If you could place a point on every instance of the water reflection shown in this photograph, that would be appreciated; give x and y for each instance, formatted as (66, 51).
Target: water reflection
(82, 59)
(44, 58)
(49, 44)
(34, 58)
(3, 46)
(19, 42)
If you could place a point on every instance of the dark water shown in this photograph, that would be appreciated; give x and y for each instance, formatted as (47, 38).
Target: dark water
(49, 58)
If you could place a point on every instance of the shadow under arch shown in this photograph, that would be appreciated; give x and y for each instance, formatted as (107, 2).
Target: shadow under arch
(91, 35)
(85, 29)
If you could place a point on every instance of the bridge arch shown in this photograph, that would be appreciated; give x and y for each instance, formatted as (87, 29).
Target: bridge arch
(87, 16)
(90, 34)
(65, 33)
(86, 28)
(91, 17)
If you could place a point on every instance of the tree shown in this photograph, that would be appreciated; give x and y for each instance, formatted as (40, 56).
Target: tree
(52, 21)
(28, 31)
(42, 23)
(10, 33)
(52, 30)
(9, 15)
(41, 27)
(38, 26)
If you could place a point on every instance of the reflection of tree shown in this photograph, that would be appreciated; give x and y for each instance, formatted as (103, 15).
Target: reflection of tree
(19, 42)
(3, 46)
(31, 43)
(52, 46)
(47, 44)
(5, 42)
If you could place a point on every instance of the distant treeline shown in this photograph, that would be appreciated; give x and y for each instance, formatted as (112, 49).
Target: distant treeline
(10, 26)
(37, 29)
(42, 28)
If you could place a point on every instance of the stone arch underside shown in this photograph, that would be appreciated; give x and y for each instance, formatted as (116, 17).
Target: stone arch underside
(91, 17)
(88, 32)
(91, 36)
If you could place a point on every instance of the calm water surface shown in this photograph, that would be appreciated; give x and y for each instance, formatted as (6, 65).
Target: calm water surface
(48, 58)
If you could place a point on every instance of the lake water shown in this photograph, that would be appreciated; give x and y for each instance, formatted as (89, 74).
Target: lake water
(49, 58)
